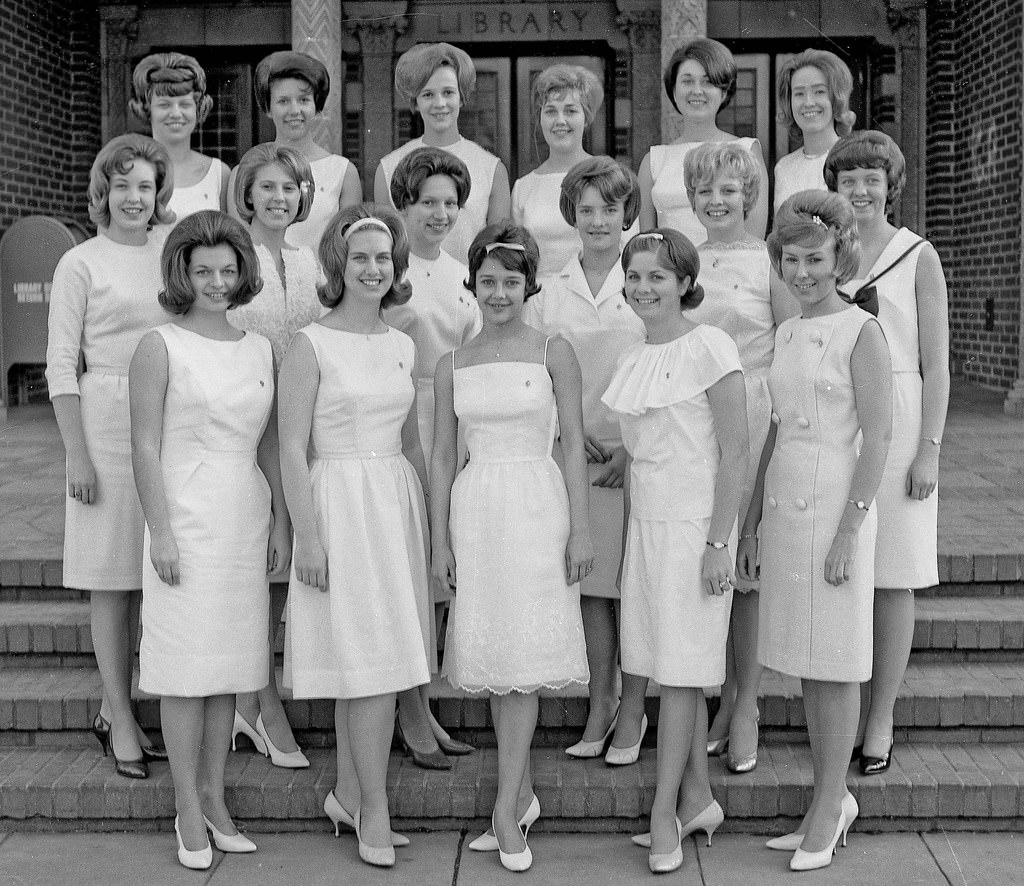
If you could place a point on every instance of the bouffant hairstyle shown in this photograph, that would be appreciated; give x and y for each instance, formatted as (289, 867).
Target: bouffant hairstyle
(868, 149)
(333, 252)
(489, 244)
(558, 80)
(675, 253)
(294, 163)
(808, 219)
(288, 65)
(168, 74)
(417, 65)
(207, 228)
(712, 159)
(423, 163)
(716, 61)
(838, 81)
(118, 156)
(615, 183)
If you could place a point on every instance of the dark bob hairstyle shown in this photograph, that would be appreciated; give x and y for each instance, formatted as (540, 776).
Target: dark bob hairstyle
(523, 261)
(207, 228)
(714, 58)
(287, 65)
(675, 253)
(868, 149)
(614, 182)
(334, 253)
(423, 163)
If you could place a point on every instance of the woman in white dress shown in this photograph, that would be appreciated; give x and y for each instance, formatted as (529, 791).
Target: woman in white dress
(358, 622)
(598, 199)
(813, 501)
(102, 302)
(169, 93)
(429, 188)
(868, 169)
(566, 98)
(273, 190)
(745, 299)
(680, 401)
(204, 449)
(509, 534)
(700, 80)
(438, 79)
(813, 100)
(291, 89)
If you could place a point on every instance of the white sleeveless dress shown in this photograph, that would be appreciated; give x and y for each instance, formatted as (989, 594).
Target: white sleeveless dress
(207, 635)
(204, 194)
(514, 624)
(329, 176)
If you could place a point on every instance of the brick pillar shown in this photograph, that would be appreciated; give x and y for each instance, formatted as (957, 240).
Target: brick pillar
(377, 25)
(119, 27)
(316, 31)
(681, 22)
(641, 22)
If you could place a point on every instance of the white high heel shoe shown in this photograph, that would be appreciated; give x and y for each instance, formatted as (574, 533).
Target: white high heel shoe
(291, 760)
(339, 816)
(513, 861)
(487, 842)
(242, 726)
(666, 862)
(377, 856)
(236, 842)
(585, 750)
(811, 861)
(194, 859)
(626, 756)
(708, 820)
(791, 842)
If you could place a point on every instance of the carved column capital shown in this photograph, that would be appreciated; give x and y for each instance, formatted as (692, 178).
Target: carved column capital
(642, 27)
(376, 25)
(904, 17)
(119, 29)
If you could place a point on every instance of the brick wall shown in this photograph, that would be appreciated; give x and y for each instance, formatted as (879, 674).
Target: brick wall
(975, 95)
(50, 101)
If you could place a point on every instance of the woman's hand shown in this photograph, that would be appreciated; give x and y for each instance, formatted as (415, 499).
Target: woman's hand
(596, 453)
(839, 562)
(279, 551)
(579, 557)
(163, 552)
(612, 477)
(923, 476)
(442, 566)
(716, 571)
(311, 563)
(746, 558)
(81, 477)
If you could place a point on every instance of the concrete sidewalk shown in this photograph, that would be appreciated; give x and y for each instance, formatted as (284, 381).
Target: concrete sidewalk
(441, 859)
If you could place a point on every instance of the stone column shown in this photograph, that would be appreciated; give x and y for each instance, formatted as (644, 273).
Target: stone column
(316, 31)
(119, 28)
(377, 25)
(641, 22)
(681, 22)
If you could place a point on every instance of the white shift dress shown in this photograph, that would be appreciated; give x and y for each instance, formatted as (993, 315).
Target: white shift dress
(329, 175)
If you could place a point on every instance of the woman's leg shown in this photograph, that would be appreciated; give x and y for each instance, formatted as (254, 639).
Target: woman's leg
(370, 729)
(743, 630)
(695, 792)
(183, 721)
(112, 640)
(631, 711)
(218, 718)
(514, 727)
(719, 728)
(346, 784)
(268, 700)
(414, 720)
(602, 648)
(676, 721)
(833, 709)
(893, 638)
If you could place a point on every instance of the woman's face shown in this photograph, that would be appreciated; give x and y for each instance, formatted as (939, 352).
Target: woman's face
(867, 189)
(431, 218)
(810, 272)
(810, 101)
(696, 96)
(292, 108)
(172, 118)
(132, 199)
(369, 267)
(652, 290)
(718, 204)
(599, 221)
(563, 122)
(438, 102)
(274, 196)
(499, 292)
(213, 273)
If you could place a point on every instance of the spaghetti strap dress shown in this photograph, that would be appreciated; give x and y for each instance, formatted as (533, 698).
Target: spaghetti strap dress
(515, 625)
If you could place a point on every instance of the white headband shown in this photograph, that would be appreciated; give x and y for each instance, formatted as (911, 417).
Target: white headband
(515, 247)
(366, 223)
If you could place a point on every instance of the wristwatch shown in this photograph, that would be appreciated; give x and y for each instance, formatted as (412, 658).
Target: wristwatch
(859, 505)
(718, 545)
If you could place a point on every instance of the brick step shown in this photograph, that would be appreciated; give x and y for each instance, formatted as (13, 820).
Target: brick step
(960, 628)
(929, 785)
(938, 702)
